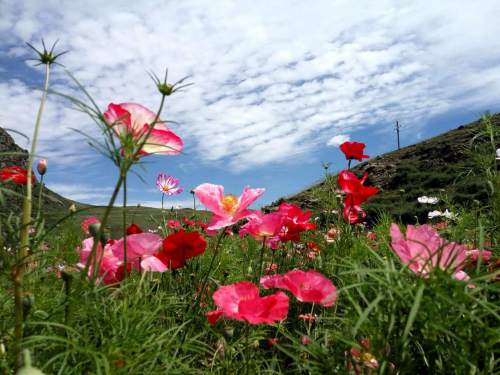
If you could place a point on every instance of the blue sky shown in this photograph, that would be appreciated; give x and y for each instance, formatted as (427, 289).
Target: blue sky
(277, 85)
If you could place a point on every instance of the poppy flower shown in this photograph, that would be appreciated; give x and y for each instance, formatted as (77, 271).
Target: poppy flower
(134, 229)
(353, 150)
(180, 246)
(173, 224)
(85, 224)
(310, 286)
(356, 192)
(168, 185)
(264, 227)
(227, 209)
(131, 119)
(422, 249)
(241, 301)
(139, 247)
(296, 221)
(353, 214)
(363, 356)
(109, 264)
(15, 174)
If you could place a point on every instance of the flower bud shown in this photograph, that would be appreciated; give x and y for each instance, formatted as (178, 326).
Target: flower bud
(94, 229)
(27, 369)
(42, 167)
(72, 208)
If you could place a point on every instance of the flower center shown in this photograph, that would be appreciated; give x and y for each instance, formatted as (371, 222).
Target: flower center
(230, 203)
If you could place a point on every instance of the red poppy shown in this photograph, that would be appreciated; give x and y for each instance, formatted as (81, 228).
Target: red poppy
(134, 229)
(353, 150)
(15, 174)
(180, 246)
(356, 195)
(295, 222)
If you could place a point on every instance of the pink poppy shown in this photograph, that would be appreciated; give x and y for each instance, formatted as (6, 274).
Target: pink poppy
(227, 209)
(310, 286)
(85, 224)
(422, 249)
(241, 301)
(135, 120)
(264, 228)
(109, 264)
(140, 246)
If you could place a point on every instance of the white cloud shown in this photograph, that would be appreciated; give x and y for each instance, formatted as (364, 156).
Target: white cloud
(82, 193)
(273, 80)
(337, 140)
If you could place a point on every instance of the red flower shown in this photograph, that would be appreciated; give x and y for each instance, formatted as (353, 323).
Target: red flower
(295, 222)
(180, 246)
(15, 174)
(356, 194)
(353, 150)
(134, 229)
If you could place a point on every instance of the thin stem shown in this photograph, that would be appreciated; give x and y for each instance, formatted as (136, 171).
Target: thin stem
(212, 261)
(259, 270)
(40, 195)
(104, 221)
(124, 222)
(25, 227)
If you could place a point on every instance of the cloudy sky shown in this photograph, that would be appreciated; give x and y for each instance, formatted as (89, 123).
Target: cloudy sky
(277, 84)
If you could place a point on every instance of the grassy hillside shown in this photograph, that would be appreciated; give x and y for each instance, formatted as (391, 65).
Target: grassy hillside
(441, 166)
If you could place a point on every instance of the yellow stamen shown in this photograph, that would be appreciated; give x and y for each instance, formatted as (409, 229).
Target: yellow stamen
(230, 203)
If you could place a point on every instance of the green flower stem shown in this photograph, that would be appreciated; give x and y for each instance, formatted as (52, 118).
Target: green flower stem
(261, 260)
(25, 227)
(40, 196)
(124, 217)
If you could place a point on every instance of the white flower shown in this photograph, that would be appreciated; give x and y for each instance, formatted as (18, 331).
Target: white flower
(449, 215)
(426, 199)
(433, 214)
(498, 153)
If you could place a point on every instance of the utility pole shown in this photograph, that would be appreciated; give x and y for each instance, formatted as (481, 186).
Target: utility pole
(397, 132)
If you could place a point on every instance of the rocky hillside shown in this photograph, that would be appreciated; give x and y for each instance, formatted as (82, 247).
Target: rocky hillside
(440, 166)
(12, 154)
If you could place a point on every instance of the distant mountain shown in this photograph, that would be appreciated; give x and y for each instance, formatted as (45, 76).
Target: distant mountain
(439, 166)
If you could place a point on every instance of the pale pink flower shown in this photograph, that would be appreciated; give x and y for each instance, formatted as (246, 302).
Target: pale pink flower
(168, 185)
(310, 286)
(422, 249)
(41, 167)
(139, 247)
(227, 209)
(135, 120)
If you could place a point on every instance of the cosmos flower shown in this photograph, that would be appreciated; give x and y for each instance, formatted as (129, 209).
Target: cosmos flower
(168, 184)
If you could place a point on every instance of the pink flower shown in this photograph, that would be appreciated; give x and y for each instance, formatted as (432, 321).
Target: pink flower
(85, 224)
(310, 286)
(140, 247)
(168, 184)
(109, 264)
(475, 254)
(264, 228)
(134, 119)
(241, 301)
(423, 250)
(173, 224)
(227, 209)
(305, 340)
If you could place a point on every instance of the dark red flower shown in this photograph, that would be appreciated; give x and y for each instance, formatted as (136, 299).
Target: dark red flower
(15, 174)
(353, 150)
(134, 229)
(180, 246)
(188, 222)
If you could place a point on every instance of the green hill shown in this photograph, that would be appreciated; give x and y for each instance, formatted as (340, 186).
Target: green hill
(440, 166)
